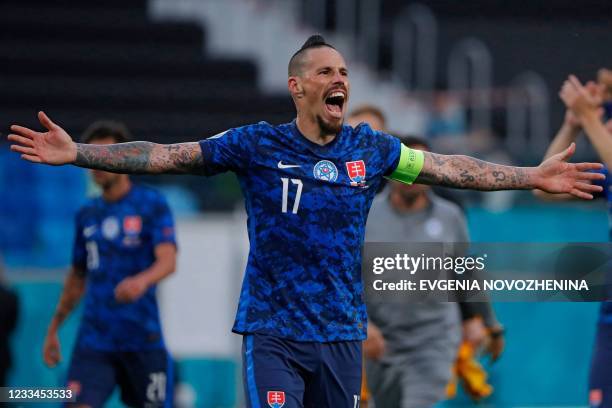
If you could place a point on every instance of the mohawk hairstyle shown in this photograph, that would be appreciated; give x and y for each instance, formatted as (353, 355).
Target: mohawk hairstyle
(314, 41)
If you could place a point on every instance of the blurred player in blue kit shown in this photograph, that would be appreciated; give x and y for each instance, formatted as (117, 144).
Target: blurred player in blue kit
(124, 245)
(308, 187)
(585, 107)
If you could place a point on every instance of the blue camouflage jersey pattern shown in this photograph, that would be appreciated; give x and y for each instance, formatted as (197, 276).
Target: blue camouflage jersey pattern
(115, 240)
(605, 315)
(307, 207)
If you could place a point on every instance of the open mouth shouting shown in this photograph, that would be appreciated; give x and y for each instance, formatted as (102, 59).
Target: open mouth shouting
(334, 103)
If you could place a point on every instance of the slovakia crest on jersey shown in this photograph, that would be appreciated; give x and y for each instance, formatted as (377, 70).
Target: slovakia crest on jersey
(357, 172)
(276, 399)
(595, 398)
(326, 171)
(132, 224)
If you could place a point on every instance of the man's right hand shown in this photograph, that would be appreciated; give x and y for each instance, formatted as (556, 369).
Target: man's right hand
(52, 147)
(51, 349)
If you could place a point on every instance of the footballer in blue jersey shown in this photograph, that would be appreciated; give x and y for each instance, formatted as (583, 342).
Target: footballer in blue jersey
(308, 186)
(306, 206)
(124, 244)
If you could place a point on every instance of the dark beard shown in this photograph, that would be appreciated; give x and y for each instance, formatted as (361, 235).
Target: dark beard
(328, 128)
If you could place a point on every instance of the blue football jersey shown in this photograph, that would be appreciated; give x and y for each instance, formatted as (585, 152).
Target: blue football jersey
(605, 315)
(307, 207)
(114, 240)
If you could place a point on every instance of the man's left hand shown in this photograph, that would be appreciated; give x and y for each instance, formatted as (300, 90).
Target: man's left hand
(556, 175)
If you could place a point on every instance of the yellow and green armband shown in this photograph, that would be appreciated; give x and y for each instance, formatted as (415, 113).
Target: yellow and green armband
(409, 166)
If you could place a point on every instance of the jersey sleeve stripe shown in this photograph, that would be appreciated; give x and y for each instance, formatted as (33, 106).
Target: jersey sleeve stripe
(250, 373)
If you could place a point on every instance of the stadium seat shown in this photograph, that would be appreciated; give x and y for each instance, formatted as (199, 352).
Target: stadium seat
(81, 62)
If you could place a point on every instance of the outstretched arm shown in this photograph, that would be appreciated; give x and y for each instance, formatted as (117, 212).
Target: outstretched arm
(141, 157)
(460, 171)
(56, 147)
(554, 175)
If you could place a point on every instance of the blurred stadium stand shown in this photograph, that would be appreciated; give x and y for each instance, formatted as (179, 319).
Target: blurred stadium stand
(82, 61)
(529, 59)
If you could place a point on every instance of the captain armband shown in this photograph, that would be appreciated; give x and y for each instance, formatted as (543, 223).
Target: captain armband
(409, 166)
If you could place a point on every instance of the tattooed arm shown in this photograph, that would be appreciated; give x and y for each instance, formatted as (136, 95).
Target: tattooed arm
(56, 147)
(470, 173)
(141, 157)
(74, 287)
(555, 175)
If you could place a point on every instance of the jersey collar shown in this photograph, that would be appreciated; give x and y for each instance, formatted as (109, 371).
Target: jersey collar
(327, 148)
